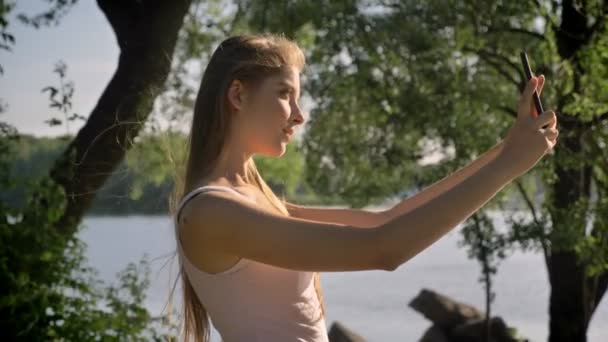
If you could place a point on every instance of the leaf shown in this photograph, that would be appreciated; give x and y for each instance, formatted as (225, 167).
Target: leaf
(76, 116)
(8, 37)
(53, 122)
(46, 256)
(52, 90)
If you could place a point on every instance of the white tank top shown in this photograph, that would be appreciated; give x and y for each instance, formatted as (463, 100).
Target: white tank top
(253, 301)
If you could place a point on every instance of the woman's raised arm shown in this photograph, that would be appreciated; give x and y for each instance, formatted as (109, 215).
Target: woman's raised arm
(233, 225)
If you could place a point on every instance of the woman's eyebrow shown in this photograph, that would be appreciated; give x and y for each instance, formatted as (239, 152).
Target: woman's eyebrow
(285, 84)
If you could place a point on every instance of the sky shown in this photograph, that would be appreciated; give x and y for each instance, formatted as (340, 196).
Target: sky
(83, 40)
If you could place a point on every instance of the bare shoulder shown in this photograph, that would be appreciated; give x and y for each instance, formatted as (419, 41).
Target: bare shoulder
(201, 207)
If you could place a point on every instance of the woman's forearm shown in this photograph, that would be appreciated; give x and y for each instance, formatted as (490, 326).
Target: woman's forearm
(370, 219)
(406, 235)
(441, 186)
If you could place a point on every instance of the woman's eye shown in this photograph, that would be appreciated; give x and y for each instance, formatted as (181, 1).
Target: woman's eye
(284, 93)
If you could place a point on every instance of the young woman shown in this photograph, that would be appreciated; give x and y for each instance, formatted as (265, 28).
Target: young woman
(250, 261)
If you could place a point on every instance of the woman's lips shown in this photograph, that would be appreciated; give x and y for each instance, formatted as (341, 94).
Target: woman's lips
(288, 132)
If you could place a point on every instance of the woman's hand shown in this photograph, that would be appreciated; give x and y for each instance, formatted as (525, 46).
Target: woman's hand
(527, 142)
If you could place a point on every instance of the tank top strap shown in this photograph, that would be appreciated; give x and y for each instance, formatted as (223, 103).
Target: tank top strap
(200, 190)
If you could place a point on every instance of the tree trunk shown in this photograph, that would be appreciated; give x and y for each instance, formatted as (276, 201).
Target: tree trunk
(574, 296)
(568, 319)
(146, 32)
(566, 304)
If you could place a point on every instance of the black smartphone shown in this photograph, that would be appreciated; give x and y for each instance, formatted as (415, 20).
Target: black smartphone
(528, 72)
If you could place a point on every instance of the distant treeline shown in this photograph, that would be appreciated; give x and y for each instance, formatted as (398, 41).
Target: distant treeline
(143, 182)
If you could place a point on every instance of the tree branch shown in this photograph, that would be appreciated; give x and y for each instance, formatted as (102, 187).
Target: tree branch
(543, 12)
(537, 222)
(514, 66)
(489, 57)
(599, 119)
(517, 30)
(147, 33)
(501, 71)
(122, 15)
(510, 111)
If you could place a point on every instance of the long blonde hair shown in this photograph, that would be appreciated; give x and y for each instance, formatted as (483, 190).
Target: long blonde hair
(250, 59)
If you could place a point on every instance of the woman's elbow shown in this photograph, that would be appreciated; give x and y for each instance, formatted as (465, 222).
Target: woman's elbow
(384, 256)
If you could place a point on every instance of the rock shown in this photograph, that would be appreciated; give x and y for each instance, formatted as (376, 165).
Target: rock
(339, 333)
(475, 331)
(443, 311)
(434, 334)
(458, 322)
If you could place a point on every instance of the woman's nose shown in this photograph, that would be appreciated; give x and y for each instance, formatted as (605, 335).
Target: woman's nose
(297, 115)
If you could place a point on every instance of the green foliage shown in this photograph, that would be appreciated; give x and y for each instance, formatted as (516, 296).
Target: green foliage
(593, 248)
(47, 290)
(592, 100)
(486, 244)
(49, 293)
(153, 160)
(143, 182)
(488, 247)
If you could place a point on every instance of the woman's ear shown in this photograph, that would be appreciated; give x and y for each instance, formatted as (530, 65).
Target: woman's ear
(236, 95)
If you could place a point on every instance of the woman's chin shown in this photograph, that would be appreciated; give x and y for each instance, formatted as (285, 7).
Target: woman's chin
(282, 150)
(276, 152)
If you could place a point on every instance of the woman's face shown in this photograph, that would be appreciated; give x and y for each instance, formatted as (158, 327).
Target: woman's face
(267, 110)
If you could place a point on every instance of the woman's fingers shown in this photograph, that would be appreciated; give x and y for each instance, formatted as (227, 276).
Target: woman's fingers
(539, 90)
(551, 138)
(525, 101)
(553, 123)
(547, 118)
(541, 83)
(551, 133)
